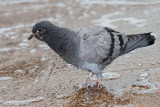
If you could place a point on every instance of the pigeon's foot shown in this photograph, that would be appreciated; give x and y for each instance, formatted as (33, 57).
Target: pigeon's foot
(89, 77)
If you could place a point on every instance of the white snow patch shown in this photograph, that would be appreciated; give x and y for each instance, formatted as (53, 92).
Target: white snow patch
(84, 16)
(33, 51)
(60, 5)
(13, 37)
(5, 29)
(143, 85)
(23, 44)
(69, 65)
(110, 75)
(1, 101)
(154, 34)
(144, 75)
(45, 47)
(4, 87)
(5, 78)
(117, 2)
(61, 96)
(56, 19)
(8, 49)
(93, 12)
(139, 64)
(107, 76)
(31, 71)
(43, 59)
(23, 102)
(3, 71)
(5, 49)
(132, 52)
(11, 2)
(127, 56)
(36, 80)
(19, 71)
(153, 63)
(70, 12)
(24, 40)
(107, 20)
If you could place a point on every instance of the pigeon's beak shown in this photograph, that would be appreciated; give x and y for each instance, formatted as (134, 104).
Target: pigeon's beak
(31, 36)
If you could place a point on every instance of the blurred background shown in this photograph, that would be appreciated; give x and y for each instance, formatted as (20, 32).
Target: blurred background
(31, 74)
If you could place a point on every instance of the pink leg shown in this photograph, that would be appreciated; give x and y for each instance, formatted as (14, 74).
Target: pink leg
(89, 77)
(97, 85)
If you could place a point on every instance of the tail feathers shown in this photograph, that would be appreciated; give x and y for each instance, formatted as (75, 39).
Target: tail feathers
(138, 41)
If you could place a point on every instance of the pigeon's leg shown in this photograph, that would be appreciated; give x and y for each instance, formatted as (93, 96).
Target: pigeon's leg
(89, 77)
(99, 77)
(97, 85)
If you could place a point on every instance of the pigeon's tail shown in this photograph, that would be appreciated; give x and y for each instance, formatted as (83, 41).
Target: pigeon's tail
(138, 41)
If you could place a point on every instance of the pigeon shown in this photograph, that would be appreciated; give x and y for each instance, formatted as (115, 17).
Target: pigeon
(89, 48)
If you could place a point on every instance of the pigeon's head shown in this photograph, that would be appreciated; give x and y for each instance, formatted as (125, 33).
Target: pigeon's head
(40, 30)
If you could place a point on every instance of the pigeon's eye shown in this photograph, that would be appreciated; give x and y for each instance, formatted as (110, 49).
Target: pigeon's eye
(39, 29)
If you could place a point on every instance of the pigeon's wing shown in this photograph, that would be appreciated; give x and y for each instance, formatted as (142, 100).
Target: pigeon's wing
(100, 44)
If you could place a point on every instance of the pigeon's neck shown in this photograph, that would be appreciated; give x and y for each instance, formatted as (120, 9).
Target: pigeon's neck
(61, 40)
(65, 43)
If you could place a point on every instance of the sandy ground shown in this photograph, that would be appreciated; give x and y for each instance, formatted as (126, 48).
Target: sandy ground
(32, 75)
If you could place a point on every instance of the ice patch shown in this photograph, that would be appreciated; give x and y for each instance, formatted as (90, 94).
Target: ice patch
(5, 78)
(23, 102)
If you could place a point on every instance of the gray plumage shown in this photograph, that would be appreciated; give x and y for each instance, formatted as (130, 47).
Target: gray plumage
(89, 48)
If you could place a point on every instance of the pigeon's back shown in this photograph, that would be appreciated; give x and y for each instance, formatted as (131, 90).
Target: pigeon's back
(99, 44)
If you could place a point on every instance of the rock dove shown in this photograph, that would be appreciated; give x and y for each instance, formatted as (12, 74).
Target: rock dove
(89, 48)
